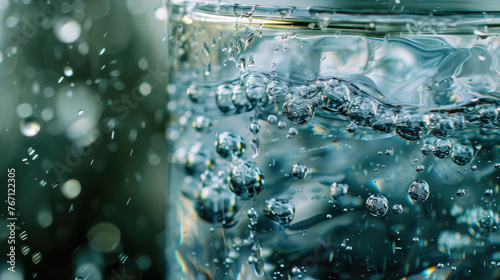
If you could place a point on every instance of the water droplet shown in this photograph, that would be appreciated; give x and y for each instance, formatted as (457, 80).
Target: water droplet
(442, 148)
(281, 124)
(497, 165)
(460, 192)
(420, 168)
(36, 257)
(295, 270)
(462, 154)
(440, 265)
(338, 190)
(246, 180)
(415, 240)
(216, 205)
(298, 111)
(30, 127)
(228, 144)
(488, 192)
(279, 210)
(377, 205)
(299, 170)
(419, 191)
(397, 209)
(80, 112)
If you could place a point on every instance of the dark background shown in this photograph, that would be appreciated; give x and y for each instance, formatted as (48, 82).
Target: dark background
(103, 125)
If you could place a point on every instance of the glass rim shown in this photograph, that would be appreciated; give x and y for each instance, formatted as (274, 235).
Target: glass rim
(377, 6)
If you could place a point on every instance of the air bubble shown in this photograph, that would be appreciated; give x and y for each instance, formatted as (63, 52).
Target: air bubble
(462, 154)
(362, 111)
(246, 180)
(377, 205)
(351, 127)
(253, 216)
(228, 144)
(298, 111)
(426, 149)
(460, 192)
(442, 148)
(30, 126)
(195, 95)
(385, 123)
(292, 132)
(307, 91)
(488, 192)
(259, 268)
(254, 127)
(415, 240)
(419, 191)
(277, 89)
(281, 124)
(411, 126)
(216, 205)
(299, 170)
(279, 210)
(202, 124)
(272, 119)
(397, 209)
(338, 190)
(240, 100)
(420, 168)
(295, 270)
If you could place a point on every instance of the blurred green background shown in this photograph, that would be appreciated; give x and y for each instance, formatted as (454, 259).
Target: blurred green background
(82, 122)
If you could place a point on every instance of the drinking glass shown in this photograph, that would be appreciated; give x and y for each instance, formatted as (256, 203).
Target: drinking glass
(333, 139)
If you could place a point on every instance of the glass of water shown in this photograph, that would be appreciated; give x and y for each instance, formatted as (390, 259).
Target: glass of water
(333, 139)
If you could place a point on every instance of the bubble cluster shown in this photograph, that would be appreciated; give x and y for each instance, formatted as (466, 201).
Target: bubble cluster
(245, 179)
(377, 205)
(279, 210)
(419, 191)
